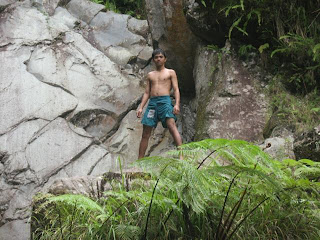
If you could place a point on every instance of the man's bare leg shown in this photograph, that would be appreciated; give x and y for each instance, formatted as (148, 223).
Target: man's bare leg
(144, 140)
(171, 124)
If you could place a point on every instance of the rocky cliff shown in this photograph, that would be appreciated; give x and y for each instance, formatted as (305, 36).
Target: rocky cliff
(70, 81)
(71, 78)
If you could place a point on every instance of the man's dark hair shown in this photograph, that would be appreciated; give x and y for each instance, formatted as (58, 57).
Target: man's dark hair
(158, 51)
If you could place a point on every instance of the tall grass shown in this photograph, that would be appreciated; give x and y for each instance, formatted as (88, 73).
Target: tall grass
(297, 112)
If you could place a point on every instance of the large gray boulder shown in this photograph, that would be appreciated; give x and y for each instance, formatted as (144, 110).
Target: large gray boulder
(17, 230)
(23, 97)
(230, 102)
(61, 97)
(84, 10)
(86, 72)
(122, 38)
(23, 25)
(59, 138)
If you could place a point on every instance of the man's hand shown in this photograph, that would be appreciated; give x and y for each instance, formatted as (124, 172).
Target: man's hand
(139, 112)
(176, 109)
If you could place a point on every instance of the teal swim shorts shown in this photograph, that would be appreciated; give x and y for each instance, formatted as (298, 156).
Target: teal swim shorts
(159, 109)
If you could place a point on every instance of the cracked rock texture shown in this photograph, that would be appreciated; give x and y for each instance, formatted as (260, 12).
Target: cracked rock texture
(70, 80)
(230, 103)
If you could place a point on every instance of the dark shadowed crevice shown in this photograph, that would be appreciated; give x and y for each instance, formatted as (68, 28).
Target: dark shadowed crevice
(84, 118)
(3, 157)
(66, 114)
(131, 107)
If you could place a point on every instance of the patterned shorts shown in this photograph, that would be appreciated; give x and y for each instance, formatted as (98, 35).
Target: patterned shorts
(159, 109)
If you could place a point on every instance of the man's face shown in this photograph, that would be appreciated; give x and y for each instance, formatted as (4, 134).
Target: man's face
(159, 59)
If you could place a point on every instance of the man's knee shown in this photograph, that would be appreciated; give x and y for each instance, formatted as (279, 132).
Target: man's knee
(171, 124)
(146, 132)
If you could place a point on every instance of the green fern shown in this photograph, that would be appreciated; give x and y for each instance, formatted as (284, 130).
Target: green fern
(222, 189)
(80, 201)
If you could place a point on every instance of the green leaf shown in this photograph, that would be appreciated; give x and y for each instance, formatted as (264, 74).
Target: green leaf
(281, 50)
(309, 162)
(316, 48)
(263, 47)
(235, 24)
(291, 163)
(80, 201)
(242, 4)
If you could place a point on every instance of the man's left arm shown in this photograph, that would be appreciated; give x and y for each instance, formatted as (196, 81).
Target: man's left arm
(174, 80)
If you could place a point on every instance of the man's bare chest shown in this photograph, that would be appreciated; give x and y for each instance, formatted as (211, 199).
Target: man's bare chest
(163, 79)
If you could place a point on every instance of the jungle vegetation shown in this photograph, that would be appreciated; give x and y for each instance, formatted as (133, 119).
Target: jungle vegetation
(134, 8)
(286, 37)
(224, 189)
(286, 33)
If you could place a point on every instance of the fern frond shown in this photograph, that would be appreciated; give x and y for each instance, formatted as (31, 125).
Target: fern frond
(80, 201)
(307, 172)
(129, 232)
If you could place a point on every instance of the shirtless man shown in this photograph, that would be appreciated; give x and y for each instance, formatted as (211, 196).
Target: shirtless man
(160, 108)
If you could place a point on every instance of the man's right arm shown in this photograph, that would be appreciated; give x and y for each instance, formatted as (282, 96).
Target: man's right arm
(145, 98)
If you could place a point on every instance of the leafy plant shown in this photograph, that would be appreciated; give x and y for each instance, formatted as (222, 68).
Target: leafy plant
(287, 31)
(301, 113)
(134, 8)
(111, 5)
(222, 189)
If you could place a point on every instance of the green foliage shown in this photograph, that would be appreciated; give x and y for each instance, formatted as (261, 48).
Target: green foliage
(79, 200)
(111, 5)
(244, 50)
(304, 57)
(134, 8)
(288, 31)
(222, 189)
(302, 113)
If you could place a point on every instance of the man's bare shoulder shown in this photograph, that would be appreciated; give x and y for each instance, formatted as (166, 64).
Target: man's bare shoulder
(172, 73)
(150, 74)
(170, 70)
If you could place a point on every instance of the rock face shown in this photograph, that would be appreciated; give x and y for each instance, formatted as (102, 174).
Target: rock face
(229, 99)
(170, 31)
(307, 145)
(279, 147)
(71, 80)
(69, 75)
(203, 19)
